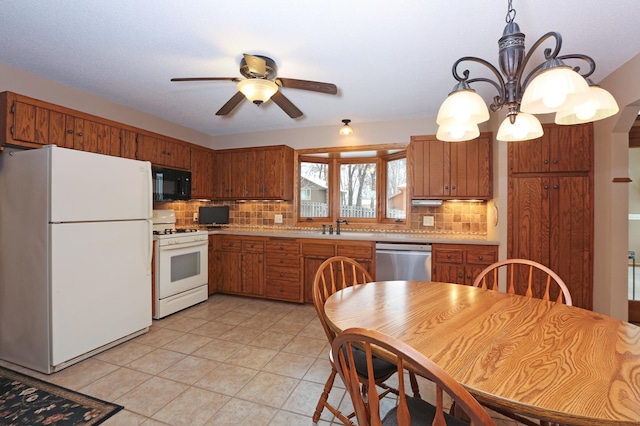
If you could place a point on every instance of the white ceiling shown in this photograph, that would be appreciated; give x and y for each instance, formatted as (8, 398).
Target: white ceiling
(390, 60)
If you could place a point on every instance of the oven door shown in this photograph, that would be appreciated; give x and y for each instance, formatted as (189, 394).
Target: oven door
(181, 267)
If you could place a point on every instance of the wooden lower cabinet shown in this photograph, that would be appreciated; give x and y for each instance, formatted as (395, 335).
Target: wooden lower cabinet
(314, 252)
(461, 263)
(283, 270)
(215, 263)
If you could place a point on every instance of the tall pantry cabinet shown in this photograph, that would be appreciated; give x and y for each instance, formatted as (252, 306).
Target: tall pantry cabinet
(550, 205)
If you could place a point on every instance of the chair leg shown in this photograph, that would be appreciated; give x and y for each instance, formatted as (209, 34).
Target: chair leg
(323, 402)
(414, 385)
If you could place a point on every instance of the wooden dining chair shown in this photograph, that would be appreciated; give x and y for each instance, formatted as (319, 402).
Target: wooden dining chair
(334, 274)
(526, 278)
(409, 410)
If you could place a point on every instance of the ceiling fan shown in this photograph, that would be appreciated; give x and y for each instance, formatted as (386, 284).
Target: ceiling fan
(262, 83)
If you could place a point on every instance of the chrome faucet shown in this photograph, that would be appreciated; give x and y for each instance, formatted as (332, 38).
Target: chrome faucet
(338, 222)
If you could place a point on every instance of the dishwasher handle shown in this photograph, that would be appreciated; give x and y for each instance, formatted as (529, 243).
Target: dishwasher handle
(403, 247)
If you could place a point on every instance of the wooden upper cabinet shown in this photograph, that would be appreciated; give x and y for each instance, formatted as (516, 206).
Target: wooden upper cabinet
(163, 152)
(560, 149)
(202, 168)
(263, 173)
(445, 170)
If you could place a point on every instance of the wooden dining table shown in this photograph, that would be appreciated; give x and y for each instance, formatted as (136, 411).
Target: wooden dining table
(543, 359)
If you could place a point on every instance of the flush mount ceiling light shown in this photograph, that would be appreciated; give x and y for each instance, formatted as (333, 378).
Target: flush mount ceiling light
(551, 87)
(346, 129)
(257, 90)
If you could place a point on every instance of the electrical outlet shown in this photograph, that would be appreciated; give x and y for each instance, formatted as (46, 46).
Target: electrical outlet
(277, 218)
(427, 221)
(195, 217)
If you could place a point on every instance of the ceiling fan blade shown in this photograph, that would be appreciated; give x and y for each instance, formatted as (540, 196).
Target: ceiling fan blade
(231, 104)
(287, 106)
(314, 86)
(257, 66)
(236, 79)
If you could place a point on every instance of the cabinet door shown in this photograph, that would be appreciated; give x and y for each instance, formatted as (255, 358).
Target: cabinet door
(254, 179)
(58, 134)
(231, 272)
(311, 265)
(128, 146)
(528, 219)
(30, 123)
(202, 174)
(449, 273)
(253, 274)
(570, 236)
(560, 149)
(215, 262)
(470, 168)
(431, 159)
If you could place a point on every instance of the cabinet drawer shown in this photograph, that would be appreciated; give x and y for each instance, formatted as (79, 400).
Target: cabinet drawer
(279, 260)
(284, 247)
(318, 250)
(231, 244)
(482, 255)
(253, 246)
(286, 274)
(356, 251)
(448, 255)
(284, 290)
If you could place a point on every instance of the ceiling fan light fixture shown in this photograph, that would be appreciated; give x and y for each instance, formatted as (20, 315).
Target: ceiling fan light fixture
(257, 90)
(524, 128)
(346, 130)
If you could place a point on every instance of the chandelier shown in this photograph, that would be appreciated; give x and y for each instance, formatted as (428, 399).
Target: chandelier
(551, 87)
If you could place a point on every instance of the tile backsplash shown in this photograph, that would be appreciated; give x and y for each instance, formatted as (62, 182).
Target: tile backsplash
(462, 218)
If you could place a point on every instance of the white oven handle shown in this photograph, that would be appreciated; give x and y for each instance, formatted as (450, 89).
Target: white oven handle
(183, 245)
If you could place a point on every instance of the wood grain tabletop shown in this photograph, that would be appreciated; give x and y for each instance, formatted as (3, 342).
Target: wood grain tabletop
(554, 362)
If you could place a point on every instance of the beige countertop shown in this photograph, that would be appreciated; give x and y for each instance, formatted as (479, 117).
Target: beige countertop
(386, 237)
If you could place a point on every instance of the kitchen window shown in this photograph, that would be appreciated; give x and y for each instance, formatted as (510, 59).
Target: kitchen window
(360, 186)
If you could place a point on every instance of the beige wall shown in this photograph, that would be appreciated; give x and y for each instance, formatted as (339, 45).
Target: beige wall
(612, 199)
(634, 200)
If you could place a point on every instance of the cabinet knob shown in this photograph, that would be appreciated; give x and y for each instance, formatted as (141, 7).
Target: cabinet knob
(281, 260)
(448, 256)
(70, 131)
(546, 187)
(453, 187)
(460, 275)
(79, 133)
(479, 257)
(446, 187)
(282, 274)
(555, 186)
(468, 277)
(555, 161)
(546, 161)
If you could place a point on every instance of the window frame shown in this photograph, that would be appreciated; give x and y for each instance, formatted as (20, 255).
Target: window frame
(336, 156)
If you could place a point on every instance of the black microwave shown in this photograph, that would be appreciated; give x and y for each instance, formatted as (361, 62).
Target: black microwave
(171, 184)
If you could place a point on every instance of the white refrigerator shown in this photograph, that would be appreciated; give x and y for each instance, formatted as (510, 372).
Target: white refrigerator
(75, 254)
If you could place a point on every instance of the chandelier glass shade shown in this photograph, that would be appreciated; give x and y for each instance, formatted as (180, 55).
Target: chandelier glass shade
(525, 127)
(551, 87)
(458, 132)
(257, 90)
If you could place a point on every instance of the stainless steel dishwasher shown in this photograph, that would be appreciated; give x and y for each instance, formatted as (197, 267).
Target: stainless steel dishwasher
(403, 261)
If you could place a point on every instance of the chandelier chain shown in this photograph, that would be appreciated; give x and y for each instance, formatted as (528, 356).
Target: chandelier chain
(511, 13)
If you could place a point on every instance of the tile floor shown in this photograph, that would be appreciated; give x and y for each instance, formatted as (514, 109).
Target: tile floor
(227, 361)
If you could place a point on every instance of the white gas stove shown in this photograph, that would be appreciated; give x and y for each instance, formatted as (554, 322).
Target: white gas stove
(181, 265)
(164, 227)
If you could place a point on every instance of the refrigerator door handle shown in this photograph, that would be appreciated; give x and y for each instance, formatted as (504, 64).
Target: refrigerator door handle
(150, 246)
